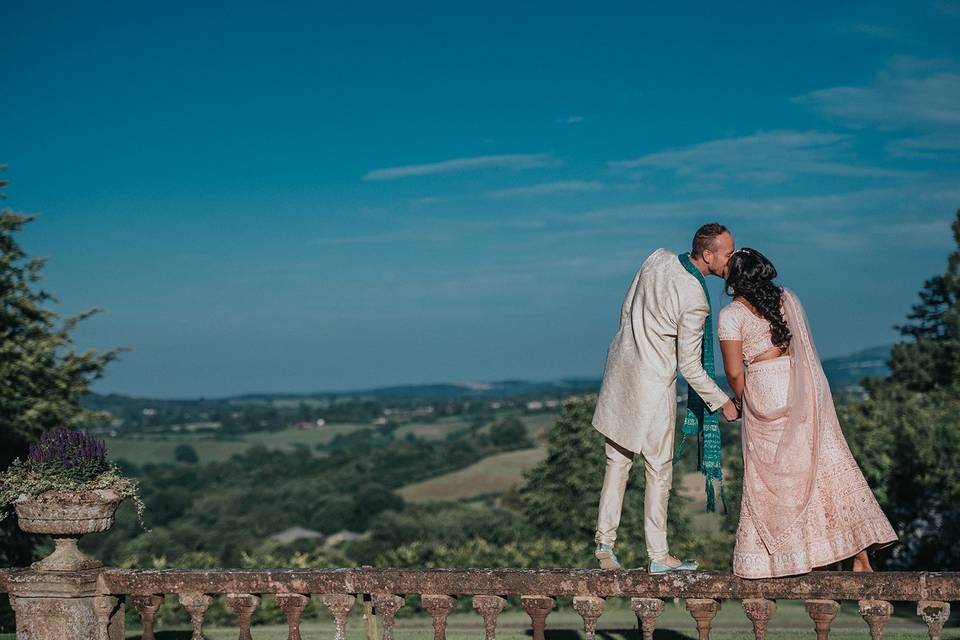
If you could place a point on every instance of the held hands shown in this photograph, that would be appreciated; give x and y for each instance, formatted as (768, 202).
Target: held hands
(730, 411)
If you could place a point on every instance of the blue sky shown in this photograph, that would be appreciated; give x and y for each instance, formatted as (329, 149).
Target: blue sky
(292, 197)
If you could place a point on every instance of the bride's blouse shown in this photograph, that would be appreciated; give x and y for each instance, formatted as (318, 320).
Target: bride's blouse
(737, 322)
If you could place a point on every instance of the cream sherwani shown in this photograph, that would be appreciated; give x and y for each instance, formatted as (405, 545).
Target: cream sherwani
(661, 331)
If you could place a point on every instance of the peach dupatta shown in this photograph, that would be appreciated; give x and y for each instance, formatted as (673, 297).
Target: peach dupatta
(778, 488)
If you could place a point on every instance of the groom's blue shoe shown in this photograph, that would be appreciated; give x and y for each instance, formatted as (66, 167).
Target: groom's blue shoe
(606, 556)
(659, 567)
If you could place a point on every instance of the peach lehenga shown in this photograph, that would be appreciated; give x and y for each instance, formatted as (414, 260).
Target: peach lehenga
(805, 501)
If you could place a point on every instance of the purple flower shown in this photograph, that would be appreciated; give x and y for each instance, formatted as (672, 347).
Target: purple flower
(76, 454)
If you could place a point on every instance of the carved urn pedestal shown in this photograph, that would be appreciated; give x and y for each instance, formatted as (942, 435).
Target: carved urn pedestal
(57, 598)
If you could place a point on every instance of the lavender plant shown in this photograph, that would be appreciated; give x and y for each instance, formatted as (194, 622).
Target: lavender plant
(71, 455)
(65, 461)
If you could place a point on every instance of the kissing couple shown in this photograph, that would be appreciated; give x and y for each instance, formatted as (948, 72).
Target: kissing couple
(805, 501)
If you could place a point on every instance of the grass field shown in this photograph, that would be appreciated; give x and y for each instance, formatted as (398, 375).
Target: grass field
(791, 622)
(159, 449)
(491, 475)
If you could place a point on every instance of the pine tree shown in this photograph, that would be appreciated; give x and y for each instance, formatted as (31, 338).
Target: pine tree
(42, 378)
(562, 494)
(906, 434)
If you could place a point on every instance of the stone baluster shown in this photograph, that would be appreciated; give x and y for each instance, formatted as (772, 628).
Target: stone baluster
(292, 605)
(935, 614)
(647, 611)
(590, 609)
(386, 606)
(876, 613)
(197, 604)
(759, 610)
(104, 608)
(243, 604)
(703, 611)
(340, 605)
(147, 606)
(489, 607)
(823, 612)
(538, 608)
(438, 606)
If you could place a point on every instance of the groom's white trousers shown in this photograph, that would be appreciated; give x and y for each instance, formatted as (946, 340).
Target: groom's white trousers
(659, 479)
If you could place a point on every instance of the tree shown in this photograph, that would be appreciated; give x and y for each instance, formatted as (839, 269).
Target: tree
(906, 434)
(562, 493)
(510, 432)
(43, 377)
(185, 454)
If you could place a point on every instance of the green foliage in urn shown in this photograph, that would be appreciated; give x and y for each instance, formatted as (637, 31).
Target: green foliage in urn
(65, 461)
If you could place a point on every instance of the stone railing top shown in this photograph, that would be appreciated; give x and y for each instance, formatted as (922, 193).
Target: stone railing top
(837, 585)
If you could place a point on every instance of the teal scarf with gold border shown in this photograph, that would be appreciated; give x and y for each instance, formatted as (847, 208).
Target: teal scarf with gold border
(700, 421)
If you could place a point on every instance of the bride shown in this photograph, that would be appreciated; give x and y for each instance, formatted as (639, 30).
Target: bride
(805, 501)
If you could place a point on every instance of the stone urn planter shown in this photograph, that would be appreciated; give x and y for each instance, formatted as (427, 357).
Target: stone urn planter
(66, 516)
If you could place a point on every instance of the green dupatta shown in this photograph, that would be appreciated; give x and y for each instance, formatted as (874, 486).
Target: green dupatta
(700, 421)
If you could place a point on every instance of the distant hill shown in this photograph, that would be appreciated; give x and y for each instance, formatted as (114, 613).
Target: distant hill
(843, 372)
(847, 371)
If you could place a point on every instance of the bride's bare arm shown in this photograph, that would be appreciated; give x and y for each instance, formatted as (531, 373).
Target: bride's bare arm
(733, 365)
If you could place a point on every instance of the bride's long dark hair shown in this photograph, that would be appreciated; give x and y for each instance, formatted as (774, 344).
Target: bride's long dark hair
(751, 276)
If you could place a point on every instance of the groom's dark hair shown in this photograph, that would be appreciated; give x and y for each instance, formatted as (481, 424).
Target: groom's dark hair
(706, 237)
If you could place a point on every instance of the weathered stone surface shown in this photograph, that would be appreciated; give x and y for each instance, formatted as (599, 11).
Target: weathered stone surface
(386, 606)
(292, 605)
(647, 611)
(62, 606)
(823, 612)
(109, 612)
(55, 618)
(538, 608)
(935, 614)
(489, 607)
(67, 584)
(876, 613)
(197, 604)
(590, 609)
(147, 607)
(555, 582)
(759, 611)
(438, 606)
(703, 611)
(66, 516)
(243, 605)
(339, 605)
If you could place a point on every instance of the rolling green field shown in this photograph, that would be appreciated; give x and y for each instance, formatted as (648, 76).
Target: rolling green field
(160, 448)
(491, 475)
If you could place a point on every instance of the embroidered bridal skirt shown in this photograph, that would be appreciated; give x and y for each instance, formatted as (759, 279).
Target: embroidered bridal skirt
(841, 516)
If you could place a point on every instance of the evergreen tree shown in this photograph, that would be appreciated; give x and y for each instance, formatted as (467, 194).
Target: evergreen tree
(906, 434)
(562, 494)
(43, 378)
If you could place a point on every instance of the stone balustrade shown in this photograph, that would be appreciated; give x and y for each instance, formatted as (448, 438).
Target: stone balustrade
(89, 604)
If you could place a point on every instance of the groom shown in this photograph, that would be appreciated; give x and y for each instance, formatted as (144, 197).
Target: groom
(661, 330)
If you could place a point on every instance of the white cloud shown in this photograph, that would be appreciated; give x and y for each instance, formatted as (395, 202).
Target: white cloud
(871, 30)
(909, 93)
(570, 120)
(390, 236)
(931, 146)
(548, 188)
(764, 157)
(458, 165)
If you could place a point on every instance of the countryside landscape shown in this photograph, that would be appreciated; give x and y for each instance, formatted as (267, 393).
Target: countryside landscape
(363, 320)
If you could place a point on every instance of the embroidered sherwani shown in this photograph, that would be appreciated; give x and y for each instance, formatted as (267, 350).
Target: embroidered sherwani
(661, 331)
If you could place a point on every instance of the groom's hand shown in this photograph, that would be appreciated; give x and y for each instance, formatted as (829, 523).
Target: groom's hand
(730, 412)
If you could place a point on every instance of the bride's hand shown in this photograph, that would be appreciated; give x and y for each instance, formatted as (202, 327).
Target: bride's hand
(730, 412)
